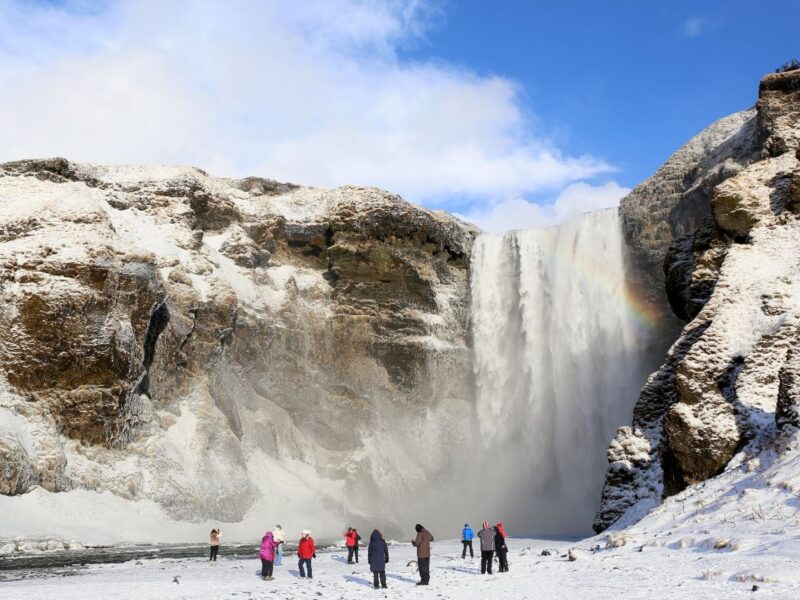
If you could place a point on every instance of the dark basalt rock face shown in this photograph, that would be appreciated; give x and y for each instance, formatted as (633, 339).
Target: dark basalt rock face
(691, 269)
(721, 215)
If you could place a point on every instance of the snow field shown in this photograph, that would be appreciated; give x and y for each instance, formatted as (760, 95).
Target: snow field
(627, 571)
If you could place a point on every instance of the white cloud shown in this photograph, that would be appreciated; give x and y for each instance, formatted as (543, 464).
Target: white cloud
(694, 26)
(312, 92)
(518, 213)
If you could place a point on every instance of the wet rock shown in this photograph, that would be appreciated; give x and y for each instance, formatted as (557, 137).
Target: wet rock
(574, 554)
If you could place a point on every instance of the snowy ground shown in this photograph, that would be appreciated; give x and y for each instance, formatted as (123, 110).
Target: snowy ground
(719, 539)
(660, 572)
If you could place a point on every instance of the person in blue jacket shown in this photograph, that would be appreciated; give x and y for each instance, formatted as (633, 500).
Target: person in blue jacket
(466, 539)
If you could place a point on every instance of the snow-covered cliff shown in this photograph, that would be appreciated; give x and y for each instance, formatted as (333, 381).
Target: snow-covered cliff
(723, 215)
(226, 348)
(177, 349)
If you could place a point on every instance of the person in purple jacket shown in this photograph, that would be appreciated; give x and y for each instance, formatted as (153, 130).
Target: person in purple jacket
(267, 554)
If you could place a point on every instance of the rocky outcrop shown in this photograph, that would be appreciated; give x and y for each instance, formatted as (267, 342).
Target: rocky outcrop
(676, 200)
(787, 411)
(778, 113)
(167, 334)
(730, 236)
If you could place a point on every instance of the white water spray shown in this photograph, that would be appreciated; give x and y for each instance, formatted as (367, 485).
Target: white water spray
(558, 366)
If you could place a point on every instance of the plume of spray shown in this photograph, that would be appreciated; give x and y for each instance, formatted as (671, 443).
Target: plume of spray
(559, 358)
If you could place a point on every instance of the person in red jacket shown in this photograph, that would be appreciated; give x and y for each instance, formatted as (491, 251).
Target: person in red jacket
(351, 541)
(306, 550)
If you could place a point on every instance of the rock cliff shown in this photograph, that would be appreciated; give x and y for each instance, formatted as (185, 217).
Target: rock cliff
(722, 217)
(221, 348)
(205, 343)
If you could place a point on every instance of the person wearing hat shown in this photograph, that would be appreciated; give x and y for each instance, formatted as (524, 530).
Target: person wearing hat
(423, 545)
(467, 535)
(352, 544)
(306, 550)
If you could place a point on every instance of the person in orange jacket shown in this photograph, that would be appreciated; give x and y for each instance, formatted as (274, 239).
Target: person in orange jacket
(306, 550)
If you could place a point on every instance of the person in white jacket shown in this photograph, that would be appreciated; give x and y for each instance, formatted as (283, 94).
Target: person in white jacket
(278, 536)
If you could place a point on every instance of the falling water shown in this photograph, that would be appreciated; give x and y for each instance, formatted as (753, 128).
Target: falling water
(558, 345)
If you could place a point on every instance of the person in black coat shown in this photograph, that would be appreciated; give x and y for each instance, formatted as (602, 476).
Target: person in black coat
(501, 549)
(378, 556)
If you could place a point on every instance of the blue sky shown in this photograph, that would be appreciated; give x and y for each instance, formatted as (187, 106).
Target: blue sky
(627, 80)
(512, 113)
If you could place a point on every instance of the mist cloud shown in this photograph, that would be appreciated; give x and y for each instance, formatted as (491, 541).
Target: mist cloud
(518, 213)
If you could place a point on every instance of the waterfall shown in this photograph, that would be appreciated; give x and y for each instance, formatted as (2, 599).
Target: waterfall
(557, 361)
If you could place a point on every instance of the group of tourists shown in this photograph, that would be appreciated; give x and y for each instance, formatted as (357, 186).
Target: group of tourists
(351, 539)
(492, 539)
(271, 553)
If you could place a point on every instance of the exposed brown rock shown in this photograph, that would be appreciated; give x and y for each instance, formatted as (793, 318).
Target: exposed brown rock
(779, 112)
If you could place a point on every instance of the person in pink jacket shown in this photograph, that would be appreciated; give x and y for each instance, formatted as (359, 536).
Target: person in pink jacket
(267, 554)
